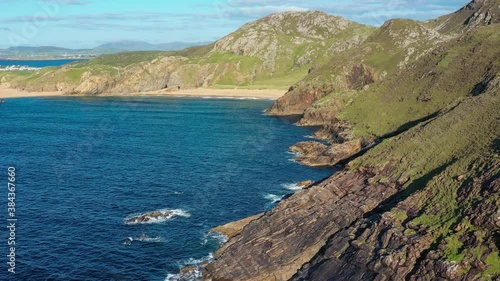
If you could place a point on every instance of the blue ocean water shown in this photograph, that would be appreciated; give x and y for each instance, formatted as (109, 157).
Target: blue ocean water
(37, 63)
(84, 165)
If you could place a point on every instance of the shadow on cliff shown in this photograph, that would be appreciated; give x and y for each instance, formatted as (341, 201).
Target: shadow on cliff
(403, 128)
(412, 188)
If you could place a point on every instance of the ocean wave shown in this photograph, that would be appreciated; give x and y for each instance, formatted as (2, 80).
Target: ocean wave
(191, 275)
(158, 216)
(195, 262)
(144, 238)
(219, 238)
(273, 198)
(295, 154)
(291, 186)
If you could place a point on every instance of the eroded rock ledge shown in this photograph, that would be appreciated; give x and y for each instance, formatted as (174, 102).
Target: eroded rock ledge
(281, 241)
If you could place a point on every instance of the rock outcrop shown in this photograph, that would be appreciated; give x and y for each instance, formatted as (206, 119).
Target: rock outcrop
(315, 154)
(234, 228)
(474, 14)
(291, 234)
(421, 206)
(419, 198)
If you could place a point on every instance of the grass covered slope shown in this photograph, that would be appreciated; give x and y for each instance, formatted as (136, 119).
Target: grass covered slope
(450, 167)
(475, 13)
(419, 198)
(273, 52)
(457, 69)
(355, 119)
(422, 205)
(392, 47)
(444, 222)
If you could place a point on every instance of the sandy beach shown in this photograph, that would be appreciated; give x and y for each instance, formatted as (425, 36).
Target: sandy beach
(6, 92)
(216, 93)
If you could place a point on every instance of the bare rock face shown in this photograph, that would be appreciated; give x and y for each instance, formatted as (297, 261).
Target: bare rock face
(298, 99)
(258, 38)
(360, 76)
(475, 13)
(315, 154)
(486, 12)
(234, 228)
(280, 242)
(301, 97)
(305, 184)
(354, 227)
(93, 85)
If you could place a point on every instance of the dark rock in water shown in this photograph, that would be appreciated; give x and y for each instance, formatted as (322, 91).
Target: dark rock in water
(149, 217)
(128, 241)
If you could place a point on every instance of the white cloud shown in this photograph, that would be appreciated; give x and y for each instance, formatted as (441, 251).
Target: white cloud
(255, 11)
(69, 2)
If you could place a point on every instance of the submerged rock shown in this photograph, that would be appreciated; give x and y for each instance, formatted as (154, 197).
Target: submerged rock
(150, 217)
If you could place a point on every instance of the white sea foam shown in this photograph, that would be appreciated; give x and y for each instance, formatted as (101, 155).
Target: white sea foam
(152, 239)
(273, 198)
(193, 275)
(294, 153)
(144, 239)
(219, 238)
(291, 186)
(149, 218)
(195, 262)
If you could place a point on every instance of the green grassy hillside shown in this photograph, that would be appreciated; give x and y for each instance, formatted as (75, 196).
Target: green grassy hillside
(273, 52)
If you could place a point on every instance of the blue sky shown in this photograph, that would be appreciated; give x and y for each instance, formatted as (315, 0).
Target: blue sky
(88, 23)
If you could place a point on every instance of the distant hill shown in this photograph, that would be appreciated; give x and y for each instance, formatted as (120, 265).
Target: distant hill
(145, 46)
(272, 52)
(54, 52)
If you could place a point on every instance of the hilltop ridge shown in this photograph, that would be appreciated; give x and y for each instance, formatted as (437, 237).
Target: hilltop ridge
(266, 53)
(475, 13)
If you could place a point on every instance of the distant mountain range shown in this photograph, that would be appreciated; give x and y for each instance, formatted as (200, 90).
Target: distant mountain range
(145, 46)
(53, 52)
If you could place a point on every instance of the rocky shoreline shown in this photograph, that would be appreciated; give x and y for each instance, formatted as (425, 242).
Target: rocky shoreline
(418, 196)
(410, 111)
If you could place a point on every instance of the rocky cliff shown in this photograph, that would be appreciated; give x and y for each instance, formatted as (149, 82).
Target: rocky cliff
(474, 14)
(353, 118)
(394, 46)
(411, 110)
(419, 197)
(422, 205)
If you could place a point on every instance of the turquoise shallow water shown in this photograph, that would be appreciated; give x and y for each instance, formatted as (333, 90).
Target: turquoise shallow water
(84, 165)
